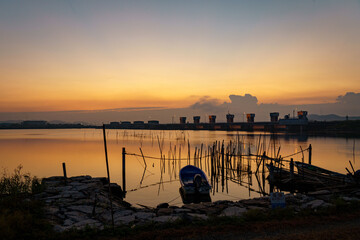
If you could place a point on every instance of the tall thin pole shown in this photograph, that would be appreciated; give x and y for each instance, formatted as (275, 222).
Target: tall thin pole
(108, 174)
(123, 169)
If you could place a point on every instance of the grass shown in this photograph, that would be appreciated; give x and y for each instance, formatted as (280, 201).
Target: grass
(21, 217)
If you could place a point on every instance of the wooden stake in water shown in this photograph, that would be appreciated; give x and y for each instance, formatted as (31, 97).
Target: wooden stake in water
(64, 171)
(108, 174)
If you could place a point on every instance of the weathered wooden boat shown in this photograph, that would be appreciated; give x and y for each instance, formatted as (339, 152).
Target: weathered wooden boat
(277, 172)
(195, 186)
(284, 180)
(322, 175)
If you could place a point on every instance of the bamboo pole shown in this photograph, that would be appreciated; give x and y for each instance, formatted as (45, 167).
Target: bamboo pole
(108, 174)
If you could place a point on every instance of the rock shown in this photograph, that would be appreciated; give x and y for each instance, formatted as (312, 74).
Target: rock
(53, 197)
(124, 220)
(82, 208)
(213, 211)
(58, 228)
(256, 208)
(87, 186)
(73, 194)
(357, 193)
(321, 192)
(124, 212)
(165, 211)
(115, 189)
(257, 202)
(80, 178)
(76, 216)
(106, 214)
(313, 204)
(233, 212)
(162, 205)
(325, 205)
(291, 199)
(87, 222)
(223, 202)
(163, 219)
(182, 210)
(198, 216)
(326, 198)
(68, 222)
(51, 210)
(195, 207)
(144, 215)
(350, 199)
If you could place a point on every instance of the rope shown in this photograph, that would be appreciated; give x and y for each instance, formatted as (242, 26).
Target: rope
(231, 155)
(296, 153)
(150, 185)
(174, 199)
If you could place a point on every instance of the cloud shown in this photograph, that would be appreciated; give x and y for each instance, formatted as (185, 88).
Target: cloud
(349, 98)
(207, 104)
(347, 104)
(247, 100)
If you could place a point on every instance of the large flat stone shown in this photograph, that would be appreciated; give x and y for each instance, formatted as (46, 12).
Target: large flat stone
(165, 211)
(233, 212)
(82, 208)
(76, 216)
(124, 220)
(144, 215)
(88, 222)
(198, 216)
(164, 219)
(313, 204)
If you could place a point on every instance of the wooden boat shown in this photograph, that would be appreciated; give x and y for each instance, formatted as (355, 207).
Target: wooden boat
(195, 185)
(321, 174)
(278, 173)
(285, 181)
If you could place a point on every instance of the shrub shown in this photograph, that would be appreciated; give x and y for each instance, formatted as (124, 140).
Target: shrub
(18, 184)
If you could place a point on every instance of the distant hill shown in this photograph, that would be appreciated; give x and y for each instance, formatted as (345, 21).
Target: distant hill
(331, 117)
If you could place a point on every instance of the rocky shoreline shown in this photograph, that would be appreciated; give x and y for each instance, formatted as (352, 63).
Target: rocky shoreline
(83, 202)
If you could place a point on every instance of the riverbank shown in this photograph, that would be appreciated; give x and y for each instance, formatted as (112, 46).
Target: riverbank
(83, 202)
(80, 209)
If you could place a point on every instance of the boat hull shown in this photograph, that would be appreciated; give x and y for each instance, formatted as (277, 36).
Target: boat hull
(189, 191)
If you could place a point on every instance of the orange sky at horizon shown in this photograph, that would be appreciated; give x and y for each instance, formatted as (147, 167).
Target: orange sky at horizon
(75, 56)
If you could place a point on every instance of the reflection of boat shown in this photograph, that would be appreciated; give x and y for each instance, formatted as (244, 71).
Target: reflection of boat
(323, 175)
(195, 185)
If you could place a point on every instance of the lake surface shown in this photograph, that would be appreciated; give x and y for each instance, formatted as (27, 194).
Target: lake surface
(41, 152)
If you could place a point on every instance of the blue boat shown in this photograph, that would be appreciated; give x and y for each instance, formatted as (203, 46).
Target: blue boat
(195, 186)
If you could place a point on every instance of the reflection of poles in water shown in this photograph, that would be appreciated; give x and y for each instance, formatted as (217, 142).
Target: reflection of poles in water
(179, 157)
(354, 151)
(188, 162)
(144, 167)
(173, 162)
(223, 162)
(222, 166)
(201, 150)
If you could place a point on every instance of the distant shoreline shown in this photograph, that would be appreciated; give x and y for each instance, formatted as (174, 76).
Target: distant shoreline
(349, 128)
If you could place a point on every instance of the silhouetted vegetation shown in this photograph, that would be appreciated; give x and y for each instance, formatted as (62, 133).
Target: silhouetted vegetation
(21, 217)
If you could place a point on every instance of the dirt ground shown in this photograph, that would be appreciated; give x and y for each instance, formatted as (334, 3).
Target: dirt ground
(344, 226)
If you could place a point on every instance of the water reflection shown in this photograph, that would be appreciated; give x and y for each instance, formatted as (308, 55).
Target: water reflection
(41, 152)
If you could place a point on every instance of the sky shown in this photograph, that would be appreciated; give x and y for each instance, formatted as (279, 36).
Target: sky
(92, 55)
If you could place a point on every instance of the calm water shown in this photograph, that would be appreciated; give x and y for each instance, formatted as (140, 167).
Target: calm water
(41, 153)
